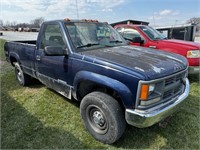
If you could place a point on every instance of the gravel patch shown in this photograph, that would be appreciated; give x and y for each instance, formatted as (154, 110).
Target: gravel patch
(17, 36)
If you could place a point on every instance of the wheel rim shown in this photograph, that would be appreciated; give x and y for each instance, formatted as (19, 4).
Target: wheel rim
(19, 75)
(97, 119)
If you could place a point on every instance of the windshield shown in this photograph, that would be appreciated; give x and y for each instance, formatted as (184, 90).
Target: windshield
(90, 35)
(152, 33)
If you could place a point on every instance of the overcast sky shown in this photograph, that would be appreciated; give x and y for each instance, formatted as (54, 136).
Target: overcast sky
(157, 12)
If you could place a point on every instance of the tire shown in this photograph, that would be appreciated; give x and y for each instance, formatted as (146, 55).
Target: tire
(21, 77)
(103, 117)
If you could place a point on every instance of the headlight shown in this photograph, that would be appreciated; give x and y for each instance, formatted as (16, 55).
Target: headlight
(146, 91)
(150, 93)
(151, 88)
(193, 54)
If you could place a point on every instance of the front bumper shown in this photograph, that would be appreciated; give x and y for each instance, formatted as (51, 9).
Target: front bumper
(142, 119)
(194, 70)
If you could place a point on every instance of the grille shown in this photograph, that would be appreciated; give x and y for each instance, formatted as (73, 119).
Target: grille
(167, 90)
(174, 86)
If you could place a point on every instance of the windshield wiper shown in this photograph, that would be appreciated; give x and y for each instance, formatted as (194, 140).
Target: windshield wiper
(160, 38)
(127, 39)
(116, 41)
(157, 38)
(88, 45)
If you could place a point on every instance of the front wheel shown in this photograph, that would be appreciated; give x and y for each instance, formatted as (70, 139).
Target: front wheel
(103, 117)
(21, 77)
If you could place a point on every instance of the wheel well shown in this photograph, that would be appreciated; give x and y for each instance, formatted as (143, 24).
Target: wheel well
(13, 60)
(87, 87)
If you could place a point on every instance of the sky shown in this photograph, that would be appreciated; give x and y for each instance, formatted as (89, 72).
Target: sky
(157, 12)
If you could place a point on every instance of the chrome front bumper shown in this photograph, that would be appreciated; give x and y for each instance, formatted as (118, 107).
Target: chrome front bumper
(142, 119)
(194, 70)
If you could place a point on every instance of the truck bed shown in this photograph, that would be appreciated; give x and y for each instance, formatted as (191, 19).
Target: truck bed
(25, 52)
(26, 42)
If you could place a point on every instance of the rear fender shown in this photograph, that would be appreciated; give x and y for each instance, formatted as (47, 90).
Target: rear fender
(14, 55)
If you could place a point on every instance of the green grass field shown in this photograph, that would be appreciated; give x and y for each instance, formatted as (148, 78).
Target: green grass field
(37, 117)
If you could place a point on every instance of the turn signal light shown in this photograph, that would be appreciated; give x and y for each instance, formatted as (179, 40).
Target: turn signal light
(66, 19)
(193, 54)
(144, 92)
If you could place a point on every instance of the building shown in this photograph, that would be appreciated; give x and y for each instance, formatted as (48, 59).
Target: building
(182, 32)
(130, 22)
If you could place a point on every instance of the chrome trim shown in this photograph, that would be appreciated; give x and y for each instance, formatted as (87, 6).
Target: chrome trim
(146, 118)
(154, 81)
(38, 57)
(59, 82)
(27, 68)
(154, 100)
(152, 47)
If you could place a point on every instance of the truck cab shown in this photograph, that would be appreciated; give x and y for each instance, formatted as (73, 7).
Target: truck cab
(146, 36)
(115, 83)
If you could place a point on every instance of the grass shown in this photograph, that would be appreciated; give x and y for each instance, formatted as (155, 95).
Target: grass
(37, 117)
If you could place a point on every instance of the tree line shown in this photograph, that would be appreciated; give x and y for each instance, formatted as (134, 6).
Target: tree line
(35, 23)
(195, 20)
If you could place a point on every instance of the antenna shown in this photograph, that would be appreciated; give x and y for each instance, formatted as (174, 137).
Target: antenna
(77, 10)
(154, 20)
(176, 22)
(173, 26)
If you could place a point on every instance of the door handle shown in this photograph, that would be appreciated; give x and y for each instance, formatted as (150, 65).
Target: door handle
(38, 57)
(152, 46)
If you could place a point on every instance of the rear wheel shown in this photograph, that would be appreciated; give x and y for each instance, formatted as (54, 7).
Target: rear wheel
(21, 77)
(103, 117)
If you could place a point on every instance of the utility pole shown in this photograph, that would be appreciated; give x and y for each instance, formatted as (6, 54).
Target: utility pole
(77, 10)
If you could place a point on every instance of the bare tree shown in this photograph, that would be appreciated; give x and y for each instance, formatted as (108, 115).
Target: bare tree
(195, 20)
(13, 24)
(1, 22)
(36, 23)
(7, 24)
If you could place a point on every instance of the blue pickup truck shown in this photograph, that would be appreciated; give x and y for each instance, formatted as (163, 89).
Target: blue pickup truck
(116, 84)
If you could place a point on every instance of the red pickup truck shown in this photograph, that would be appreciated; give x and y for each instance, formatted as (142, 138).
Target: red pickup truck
(142, 35)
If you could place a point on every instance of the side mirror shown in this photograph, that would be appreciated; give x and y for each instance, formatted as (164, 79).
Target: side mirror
(55, 51)
(137, 40)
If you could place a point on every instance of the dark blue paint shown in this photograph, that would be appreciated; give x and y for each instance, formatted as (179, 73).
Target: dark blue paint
(76, 67)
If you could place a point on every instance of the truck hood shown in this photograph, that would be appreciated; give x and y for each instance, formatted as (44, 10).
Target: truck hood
(150, 63)
(185, 44)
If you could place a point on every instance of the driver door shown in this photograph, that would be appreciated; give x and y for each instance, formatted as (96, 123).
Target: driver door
(53, 70)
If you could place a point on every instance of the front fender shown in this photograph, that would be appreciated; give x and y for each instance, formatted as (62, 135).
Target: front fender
(120, 88)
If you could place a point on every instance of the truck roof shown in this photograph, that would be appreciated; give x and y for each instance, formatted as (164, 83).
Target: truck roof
(130, 25)
(130, 22)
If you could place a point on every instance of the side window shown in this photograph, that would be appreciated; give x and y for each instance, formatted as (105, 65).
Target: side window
(130, 33)
(52, 36)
